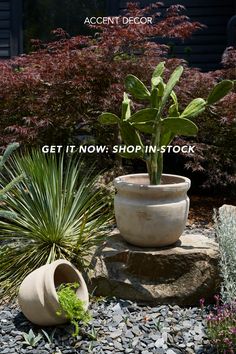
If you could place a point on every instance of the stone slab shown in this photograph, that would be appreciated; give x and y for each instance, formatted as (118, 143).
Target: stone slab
(180, 274)
(228, 209)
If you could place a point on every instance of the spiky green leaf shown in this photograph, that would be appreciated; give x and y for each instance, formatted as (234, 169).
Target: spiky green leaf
(9, 150)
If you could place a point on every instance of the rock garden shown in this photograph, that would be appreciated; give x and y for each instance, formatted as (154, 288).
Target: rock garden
(132, 252)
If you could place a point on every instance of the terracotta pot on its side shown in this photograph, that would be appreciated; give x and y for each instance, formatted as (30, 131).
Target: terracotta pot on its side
(151, 215)
(38, 297)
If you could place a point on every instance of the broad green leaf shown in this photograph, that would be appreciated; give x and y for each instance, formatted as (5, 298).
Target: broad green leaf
(161, 88)
(144, 115)
(219, 91)
(156, 76)
(180, 126)
(166, 137)
(132, 155)
(126, 111)
(157, 94)
(174, 98)
(155, 99)
(108, 118)
(136, 87)
(129, 135)
(194, 108)
(156, 81)
(173, 111)
(143, 127)
(174, 78)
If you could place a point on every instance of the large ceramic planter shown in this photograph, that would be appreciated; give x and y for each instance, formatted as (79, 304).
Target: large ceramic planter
(151, 215)
(38, 297)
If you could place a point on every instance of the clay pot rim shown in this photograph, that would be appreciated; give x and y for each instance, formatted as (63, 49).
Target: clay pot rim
(180, 182)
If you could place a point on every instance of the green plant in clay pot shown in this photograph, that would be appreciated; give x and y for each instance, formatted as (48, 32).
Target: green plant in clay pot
(71, 306)
(158, 216)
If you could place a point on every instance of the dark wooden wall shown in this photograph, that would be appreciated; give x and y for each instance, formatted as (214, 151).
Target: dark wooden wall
(205, 48)
(10, 28)
(231, 28)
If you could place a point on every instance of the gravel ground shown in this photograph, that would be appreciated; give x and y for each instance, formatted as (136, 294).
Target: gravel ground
(117, 326)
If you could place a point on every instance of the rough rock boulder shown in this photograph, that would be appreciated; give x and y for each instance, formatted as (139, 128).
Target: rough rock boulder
(180, 274)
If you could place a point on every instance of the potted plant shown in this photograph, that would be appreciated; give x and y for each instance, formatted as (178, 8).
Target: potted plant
(40, 301)
(151, 209)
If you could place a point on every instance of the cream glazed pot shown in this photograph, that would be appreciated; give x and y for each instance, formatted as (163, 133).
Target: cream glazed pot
(151, 215)
(38, 297)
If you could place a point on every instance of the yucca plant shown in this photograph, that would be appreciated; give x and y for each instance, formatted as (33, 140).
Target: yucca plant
(3, 159)
(59, 213)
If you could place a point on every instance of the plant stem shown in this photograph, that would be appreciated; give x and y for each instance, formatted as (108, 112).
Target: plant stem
(159, 167)
(148, 165)
(156, 159)
(156, 164)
